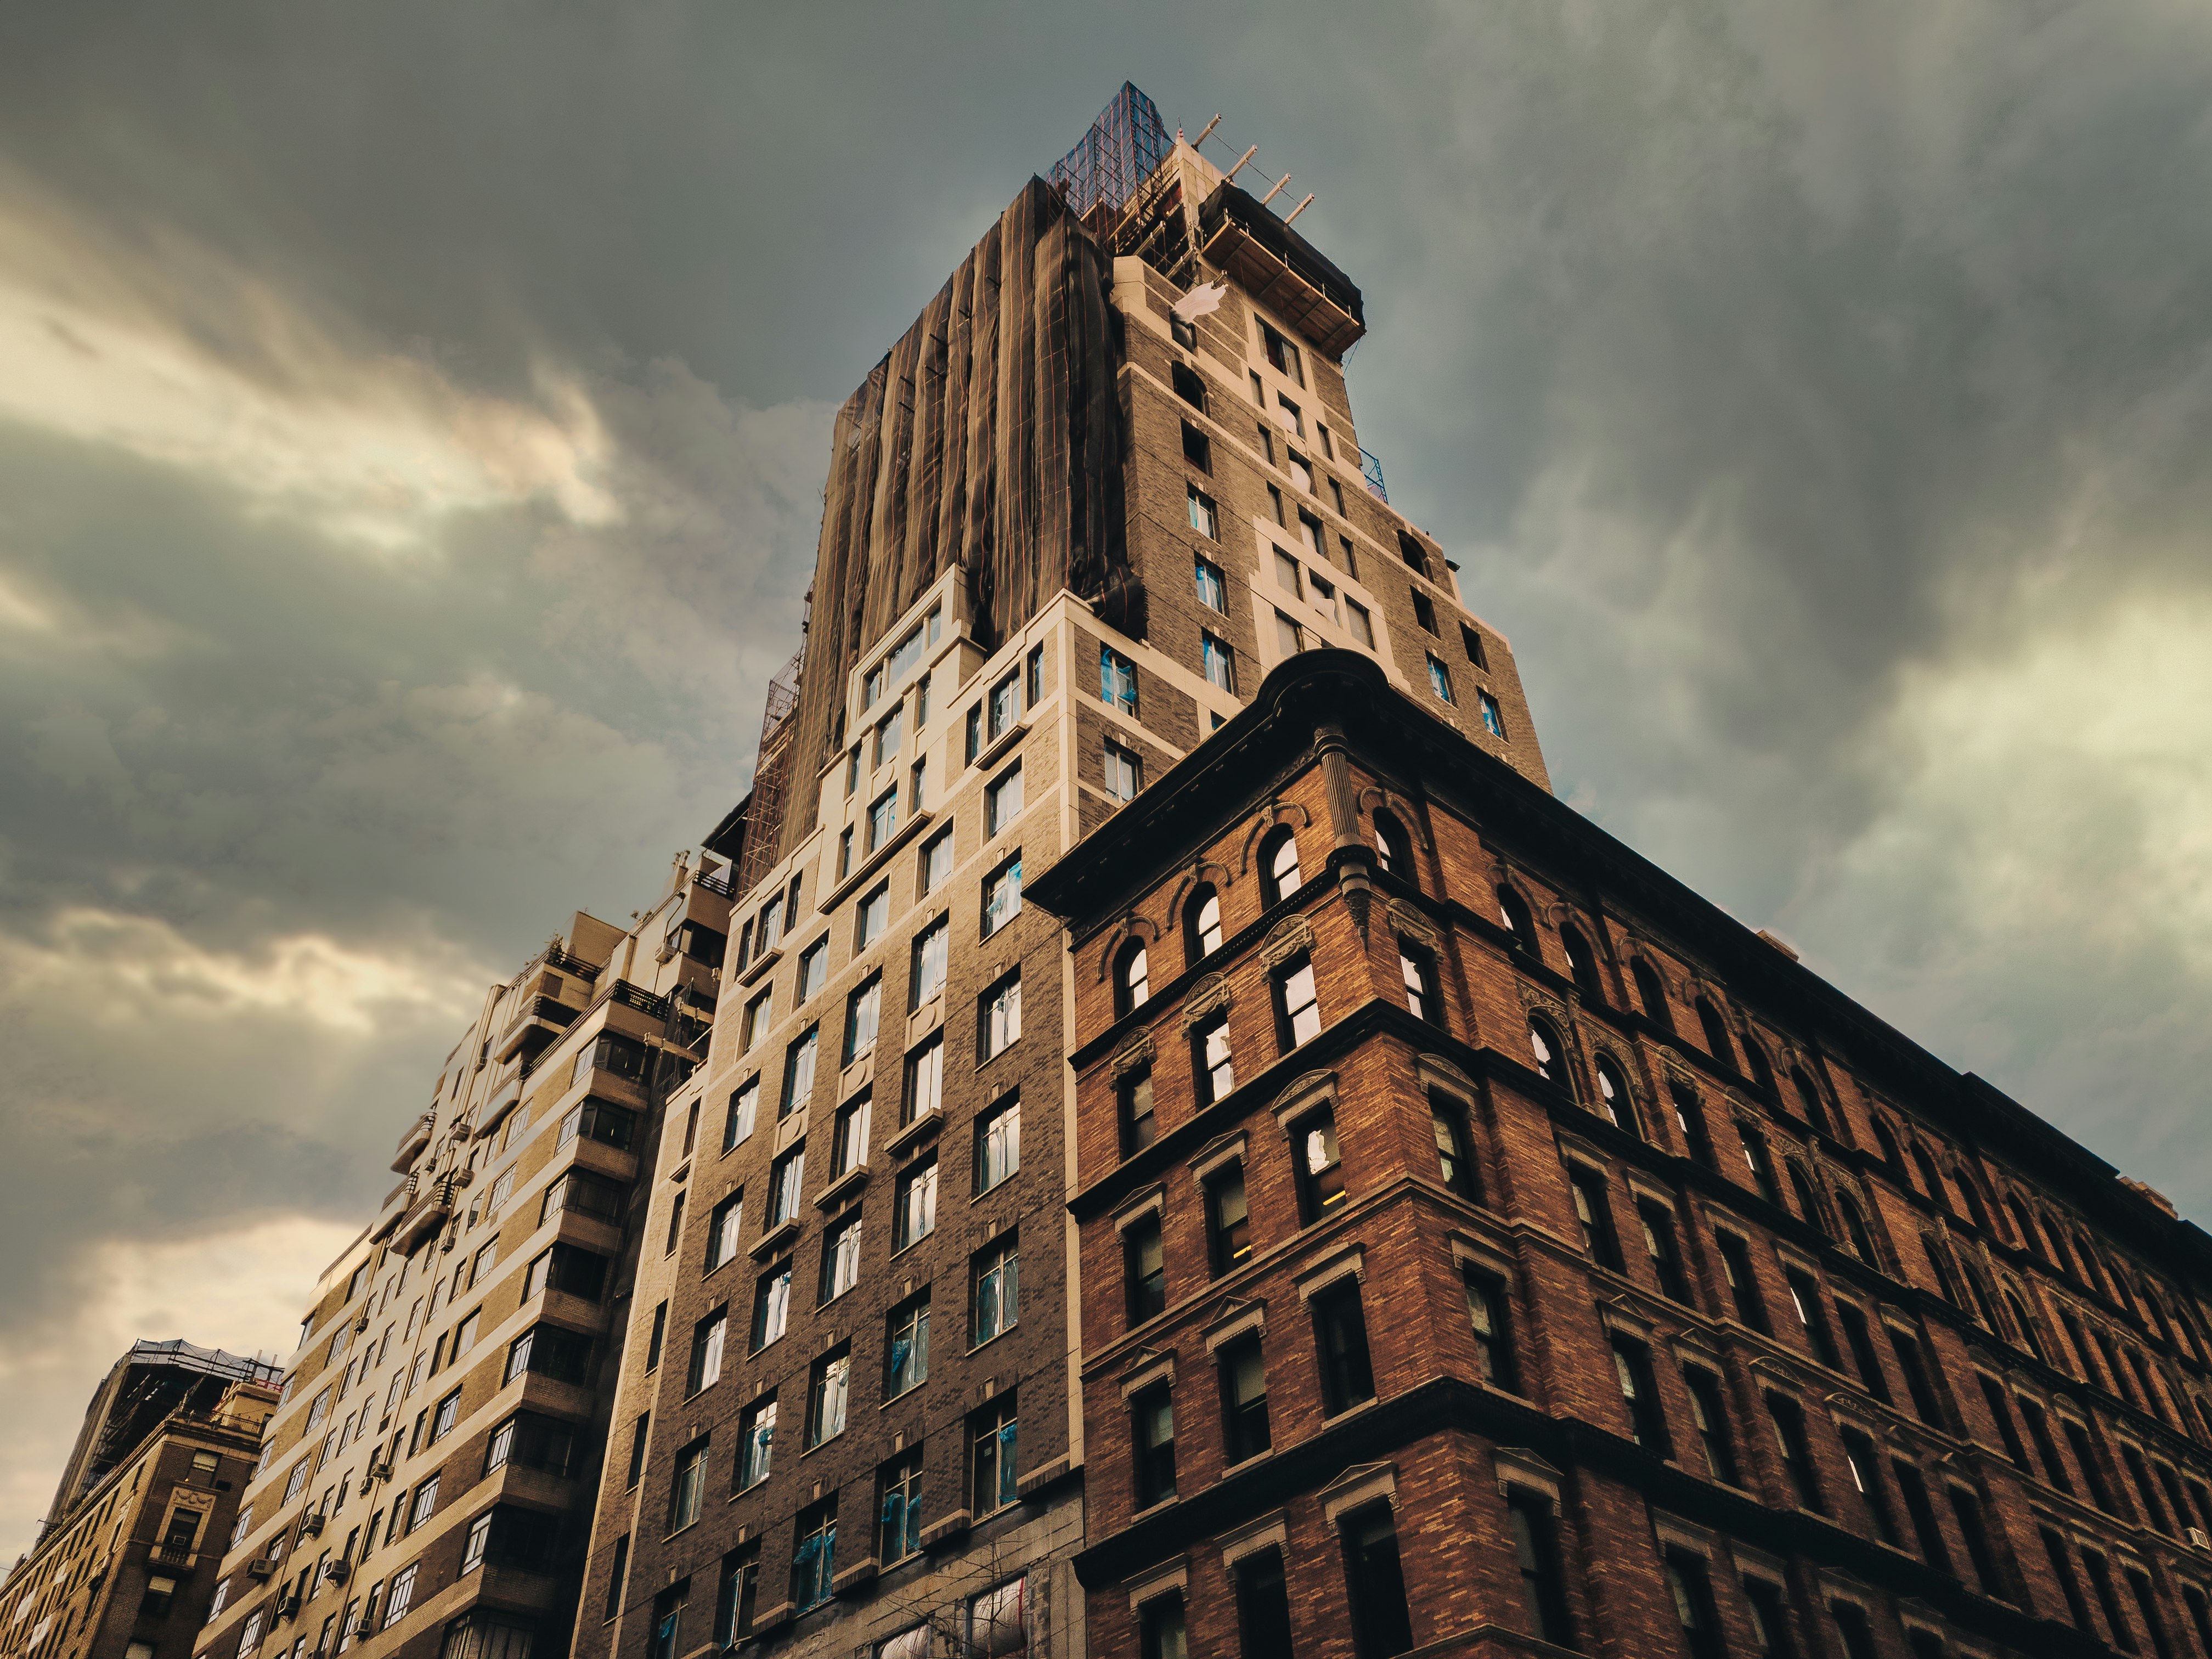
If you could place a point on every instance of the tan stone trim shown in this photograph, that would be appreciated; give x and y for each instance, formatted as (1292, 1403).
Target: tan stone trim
(1302, 1095)
(1356, 1487)
(1169, 1577)
(1236, 1319)
(1516, 1466)
(1262, 1532)
(1346, 1262)
(1221, 1150)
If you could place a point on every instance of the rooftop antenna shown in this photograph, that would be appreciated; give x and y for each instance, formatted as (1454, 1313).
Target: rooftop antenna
(1300, 207)
(1272, 194)
(1230, 176)
(1206, 129)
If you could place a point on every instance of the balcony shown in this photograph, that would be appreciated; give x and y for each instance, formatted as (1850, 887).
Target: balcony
(574, 967)
(413, 1139)
(1283, 270)
(428, 1214)
(546, 1016)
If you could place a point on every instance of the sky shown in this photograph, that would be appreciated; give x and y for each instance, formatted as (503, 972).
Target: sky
(413, 421)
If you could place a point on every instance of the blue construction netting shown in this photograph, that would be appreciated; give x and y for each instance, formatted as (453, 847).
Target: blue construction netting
(1121, 149)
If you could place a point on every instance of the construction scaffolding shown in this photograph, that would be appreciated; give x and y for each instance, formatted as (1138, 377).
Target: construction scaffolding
(771, 775)
(1124, 147)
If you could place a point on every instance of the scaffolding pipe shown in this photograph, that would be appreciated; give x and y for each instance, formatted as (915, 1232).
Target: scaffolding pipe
(1206, 129)
(1278, 190)
(1299, 209)
(1230, 176)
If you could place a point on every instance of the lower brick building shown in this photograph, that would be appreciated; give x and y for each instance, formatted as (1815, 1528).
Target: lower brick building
(1487, 1243)
(126, 1565)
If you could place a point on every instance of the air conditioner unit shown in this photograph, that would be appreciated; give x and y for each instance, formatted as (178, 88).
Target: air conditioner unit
(2199, 1537)
(310, 1524)
(381, 1469)
(337, 1571)
(261, 1568)
(361, 1323)
(287, 1604)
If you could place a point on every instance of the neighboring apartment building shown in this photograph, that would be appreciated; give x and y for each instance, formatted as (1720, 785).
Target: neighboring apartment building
(426, 1481)
(1065, 533)
(1485, 1238)
(125, 1564)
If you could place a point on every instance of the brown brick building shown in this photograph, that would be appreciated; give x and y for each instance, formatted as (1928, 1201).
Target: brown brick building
(1558, 1259)
(125, 1567)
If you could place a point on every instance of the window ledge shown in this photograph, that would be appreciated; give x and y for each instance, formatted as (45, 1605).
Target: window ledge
(1002, 745)
(953, 1526)
(842, 1187)
(778, 1238)
(1160, 1508)
(760, 965)
(1003, 1332)
(867, 867)
(925, 1124)
(1243, 1464)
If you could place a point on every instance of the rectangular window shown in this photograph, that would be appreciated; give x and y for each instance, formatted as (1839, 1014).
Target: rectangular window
(787, 1176)
(828, 1391)
(1661, 1249)
(659, 1336)
(723, 1225)
(1362, 626)
(706, 1350)
(1797, 1451)
(640, 1432)
(1213, 1070)
(998, 1144)
(1709, 1416)
(1640, 1392)
(771, 1305)
(1228, 1222)
(1275, 503)
(1309, 531)
(1002, 800)
(844, 853)
(936, 860)
(739, 1596)
(883, 817)
(922, 1089)
(915, 1217)
(1320, 1167)
(1152, 1422)
(1003, 704)
(1417, 970)
(1133, 1101)
(921, 704)
(1203, 517)
(1374, 1580)
(1297, 1006)
(759, 1016)
(1861, 1343)
(1286, 573)
(688, 1485)
(890, 734)
(927, 978)
(756, 1442)
(995, 1437)
(1002, 895)
(975, 733)
(1492, 721)
(745, 1108)
(1487, 1305)
(849, 1147)
(1593, 1210)
(1907, 1350)
(797, 1075)
(1122, 770)
(1866, 1475)
(998, 1021)
(906, 1351)
(898, 1509)
(1259, 390)
(1805, 1297)
(814, 1567)
(1197, 448)
(870, 916)
(1218, 662)
(1144, 1270)
(1117, 680)
(863, 1014)
(401, 1596)
(1440, 679)
(675, 1224)
(1341, 1340)
(840, 1259)
(1033, 675)
(1290, 638)
(1743, 1286)
(995, 1274)
(1336, 490)
(1212, 589)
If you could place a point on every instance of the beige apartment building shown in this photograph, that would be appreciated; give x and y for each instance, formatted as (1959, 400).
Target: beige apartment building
(125, 1563)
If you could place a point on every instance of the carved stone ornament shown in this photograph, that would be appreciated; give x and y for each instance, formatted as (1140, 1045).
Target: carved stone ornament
(1286, 939)
(1133, 1055)
(1208, 995)
(1412, 924)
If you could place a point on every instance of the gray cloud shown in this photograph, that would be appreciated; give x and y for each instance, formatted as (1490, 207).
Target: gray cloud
(412, 469)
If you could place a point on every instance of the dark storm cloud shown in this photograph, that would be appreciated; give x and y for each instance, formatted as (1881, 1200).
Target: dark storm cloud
(410, 431)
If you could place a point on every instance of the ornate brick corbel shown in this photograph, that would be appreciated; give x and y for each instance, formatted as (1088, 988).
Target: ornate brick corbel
(1292, 934)
(1412, 924)
(1132, 1055)
(1208, 995)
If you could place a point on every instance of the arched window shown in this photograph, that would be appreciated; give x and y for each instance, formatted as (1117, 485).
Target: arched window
(2025, 1226)
(1201, 924)
(1613, 1097)
(1716, 1035)
(1761, 1073)
(1808, 1201)
(1132, 977)
(1888, 1144)
(1550, 1056)
(2026, 1327)
(1651, 992)
(1816, 1109)
(1931, 1177)
(1855, 1229)
(1513, 910)
(1966, 1190)
(1582, 962)
(1394, 849)
(1279, 865)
